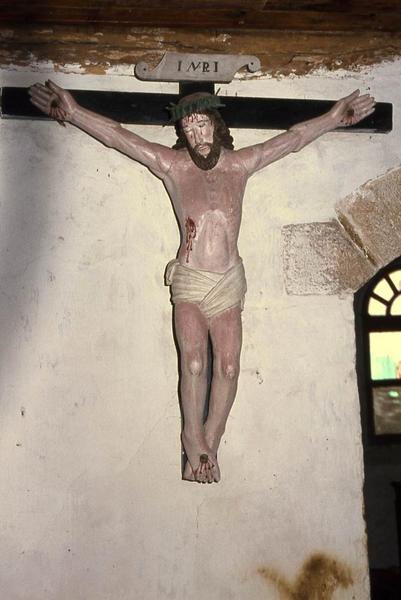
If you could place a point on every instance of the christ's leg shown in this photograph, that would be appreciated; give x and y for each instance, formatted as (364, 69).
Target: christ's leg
(226, 335)
(192, 335)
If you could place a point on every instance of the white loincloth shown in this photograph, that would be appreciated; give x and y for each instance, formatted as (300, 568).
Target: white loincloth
(212, 292)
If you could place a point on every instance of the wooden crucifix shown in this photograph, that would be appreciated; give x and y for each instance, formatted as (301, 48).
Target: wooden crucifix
(205, 179)
(139, 108)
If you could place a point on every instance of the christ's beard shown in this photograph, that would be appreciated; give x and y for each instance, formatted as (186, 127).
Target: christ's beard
(206, 162)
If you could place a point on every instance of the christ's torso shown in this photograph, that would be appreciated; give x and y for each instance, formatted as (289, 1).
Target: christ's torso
(208, 205)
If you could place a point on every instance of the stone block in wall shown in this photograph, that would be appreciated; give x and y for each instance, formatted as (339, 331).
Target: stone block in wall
(320, 259)
(372, 217)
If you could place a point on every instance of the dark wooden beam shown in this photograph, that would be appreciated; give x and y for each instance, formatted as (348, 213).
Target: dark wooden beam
(189, 87)
(95, 49)
(241, 17)
(150, 109)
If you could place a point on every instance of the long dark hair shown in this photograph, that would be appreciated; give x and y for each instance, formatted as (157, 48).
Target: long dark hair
(221, 131)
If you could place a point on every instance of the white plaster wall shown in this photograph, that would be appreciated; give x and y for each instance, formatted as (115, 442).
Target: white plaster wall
(92, 504)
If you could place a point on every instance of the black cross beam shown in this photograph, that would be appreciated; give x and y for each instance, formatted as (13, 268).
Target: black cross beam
(150, 109)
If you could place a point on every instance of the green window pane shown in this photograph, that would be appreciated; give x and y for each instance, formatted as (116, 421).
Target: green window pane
(385, 355)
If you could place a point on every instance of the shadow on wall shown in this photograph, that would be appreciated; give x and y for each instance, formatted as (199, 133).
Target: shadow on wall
(319, 578)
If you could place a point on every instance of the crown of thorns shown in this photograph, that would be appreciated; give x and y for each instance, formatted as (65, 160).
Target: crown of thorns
(194, 103)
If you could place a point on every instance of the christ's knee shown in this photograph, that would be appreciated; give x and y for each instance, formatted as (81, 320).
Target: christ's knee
(194, 365)
(228, 369)
(231, 370)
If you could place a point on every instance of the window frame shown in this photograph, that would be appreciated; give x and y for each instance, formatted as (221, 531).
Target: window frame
(364, 325)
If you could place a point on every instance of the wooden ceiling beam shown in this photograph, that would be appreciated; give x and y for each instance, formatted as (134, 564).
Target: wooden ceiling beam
(345, 6)
(222, 18)
(294, 6)
(95, 49)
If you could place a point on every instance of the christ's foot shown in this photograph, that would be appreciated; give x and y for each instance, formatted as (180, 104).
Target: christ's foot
(205, 471)
(188, 473)
(201, 465)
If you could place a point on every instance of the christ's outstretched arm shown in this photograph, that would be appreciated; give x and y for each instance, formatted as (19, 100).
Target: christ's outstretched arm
(347, 111)
(60, 105)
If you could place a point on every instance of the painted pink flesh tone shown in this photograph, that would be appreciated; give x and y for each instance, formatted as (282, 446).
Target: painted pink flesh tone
(190, 229)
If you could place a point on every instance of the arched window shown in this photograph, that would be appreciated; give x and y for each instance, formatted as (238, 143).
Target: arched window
(378, 331)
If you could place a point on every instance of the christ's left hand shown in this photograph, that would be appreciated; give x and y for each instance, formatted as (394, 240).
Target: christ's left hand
(352, 109)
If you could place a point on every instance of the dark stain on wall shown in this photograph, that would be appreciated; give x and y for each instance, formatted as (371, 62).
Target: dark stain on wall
(318, 579)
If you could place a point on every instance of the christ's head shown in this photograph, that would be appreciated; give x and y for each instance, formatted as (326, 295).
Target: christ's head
(198, 129)
(201, 129)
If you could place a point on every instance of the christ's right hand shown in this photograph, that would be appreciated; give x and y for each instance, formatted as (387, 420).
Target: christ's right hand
(59, 104)
(53, 100)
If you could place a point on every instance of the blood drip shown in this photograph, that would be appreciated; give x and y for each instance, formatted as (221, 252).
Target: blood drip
(190, 229)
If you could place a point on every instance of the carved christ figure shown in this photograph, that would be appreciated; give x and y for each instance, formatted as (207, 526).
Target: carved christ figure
(205, 179)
